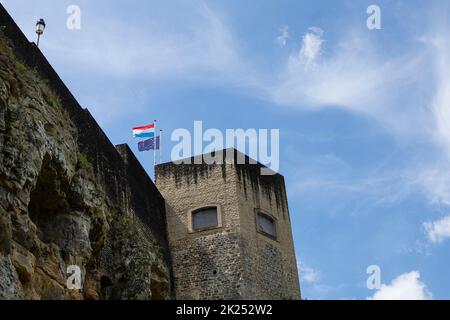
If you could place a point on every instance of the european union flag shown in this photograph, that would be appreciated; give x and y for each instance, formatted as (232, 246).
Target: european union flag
(149, 144)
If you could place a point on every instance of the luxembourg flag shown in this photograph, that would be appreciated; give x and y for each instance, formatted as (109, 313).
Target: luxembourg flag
(144, 131)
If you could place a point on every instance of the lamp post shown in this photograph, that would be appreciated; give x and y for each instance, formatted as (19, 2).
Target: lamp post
(40, 27)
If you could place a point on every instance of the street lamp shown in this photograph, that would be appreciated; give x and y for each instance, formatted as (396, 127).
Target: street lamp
(40, 27)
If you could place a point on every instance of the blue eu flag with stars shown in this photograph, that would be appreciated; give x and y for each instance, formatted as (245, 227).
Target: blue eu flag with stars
(149, 144)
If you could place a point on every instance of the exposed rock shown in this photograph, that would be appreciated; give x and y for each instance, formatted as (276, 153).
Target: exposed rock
(54, 211)
(5, 232)
(24, 262)
(10, 285)
(138, 271)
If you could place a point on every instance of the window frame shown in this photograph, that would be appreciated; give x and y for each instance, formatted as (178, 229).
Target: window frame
(201, 208)
(265, 214)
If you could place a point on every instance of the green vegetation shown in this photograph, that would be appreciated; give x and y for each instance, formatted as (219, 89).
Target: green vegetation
(130, 227)
(21, 67)
(52, 99)
(82, 161)
(156, 247)
(27, 75)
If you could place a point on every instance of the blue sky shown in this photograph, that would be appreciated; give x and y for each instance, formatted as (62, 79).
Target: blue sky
(364, 115)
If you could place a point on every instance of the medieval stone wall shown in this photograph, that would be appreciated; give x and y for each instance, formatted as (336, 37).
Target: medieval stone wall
(207, 264)
(232, 261)
(271, 271)
(67, 196)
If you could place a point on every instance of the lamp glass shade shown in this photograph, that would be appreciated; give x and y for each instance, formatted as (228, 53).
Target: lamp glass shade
(40, 26)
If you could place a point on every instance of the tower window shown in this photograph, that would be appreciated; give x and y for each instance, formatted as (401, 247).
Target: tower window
(266, 225)
(205, 218)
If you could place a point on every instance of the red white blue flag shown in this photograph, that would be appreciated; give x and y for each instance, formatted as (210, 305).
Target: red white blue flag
(144, 131)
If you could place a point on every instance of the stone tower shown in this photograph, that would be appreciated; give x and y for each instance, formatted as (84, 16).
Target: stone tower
(229, 229)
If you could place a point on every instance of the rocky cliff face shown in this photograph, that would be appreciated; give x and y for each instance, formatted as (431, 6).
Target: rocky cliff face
(54, 211)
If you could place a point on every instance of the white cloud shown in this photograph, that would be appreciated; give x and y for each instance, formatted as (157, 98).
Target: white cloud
(284, 36)
(310, 51)
(353, 77)
(336, 178)
(405, 287)
(408, 94)
(434, 180)
(438, 231)
(440, 105)
(311, 46)
(307, 274)
(155, 49)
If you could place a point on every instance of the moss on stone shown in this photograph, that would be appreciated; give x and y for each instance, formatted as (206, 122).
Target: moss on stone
(140, 272)
(6, 233)
(21, 67)
(62, 197)
(82, 162)
(132, 226)
(52, 99)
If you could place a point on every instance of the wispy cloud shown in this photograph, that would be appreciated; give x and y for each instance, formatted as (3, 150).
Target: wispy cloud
(337, 178)
(352, 77)
(283, 36)
(204, 51)
(352, 74)
(435, 178)
(311, 48)
(440, 105)
(407, 93)
(307, 273)
(438, 231)
(405, 287)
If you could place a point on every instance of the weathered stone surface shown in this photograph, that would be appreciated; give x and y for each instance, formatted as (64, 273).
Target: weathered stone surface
(137, 264)
(48, 288)
(24, 262)
(56, 209)
(10, 286)
(5, 232)
(234, 260)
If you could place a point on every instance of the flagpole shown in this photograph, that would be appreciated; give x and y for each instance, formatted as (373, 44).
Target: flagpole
(154, 152)
(160, 147)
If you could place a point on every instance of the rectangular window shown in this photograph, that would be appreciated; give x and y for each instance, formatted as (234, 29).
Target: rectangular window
(266, 225)
(205, 218)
